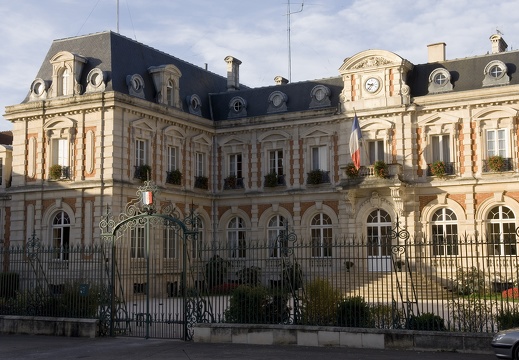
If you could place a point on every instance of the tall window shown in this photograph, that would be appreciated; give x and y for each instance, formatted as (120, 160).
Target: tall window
(200, 164)
(501, 231)
(235, 165)
(497, 143)
(236, 237)
(321, 235)
(376, 151)
(172, 158)
(61, 236)
(275, 235)
(170, 93)
(444, 232)
(440, 148)
(379, 233)
(171, 241)
(276, 162)
(63, 81)
(319, 158)
(137, 236)
(196, 248)
(141, 152)
(60, 152)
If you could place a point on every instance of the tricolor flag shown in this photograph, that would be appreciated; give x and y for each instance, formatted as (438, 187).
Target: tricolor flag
(147, 197)
(355, 142)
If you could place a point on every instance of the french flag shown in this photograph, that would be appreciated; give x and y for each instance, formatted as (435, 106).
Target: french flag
(147, 197)
(355, 142)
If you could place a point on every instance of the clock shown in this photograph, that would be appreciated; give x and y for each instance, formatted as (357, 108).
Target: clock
(372, 85)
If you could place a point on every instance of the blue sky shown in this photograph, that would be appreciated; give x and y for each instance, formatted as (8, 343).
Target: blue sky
(203, 32)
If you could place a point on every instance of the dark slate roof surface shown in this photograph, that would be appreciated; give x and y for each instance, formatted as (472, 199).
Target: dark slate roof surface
(466, 73)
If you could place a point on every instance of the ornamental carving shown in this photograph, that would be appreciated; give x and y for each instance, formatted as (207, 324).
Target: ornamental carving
(371, 62)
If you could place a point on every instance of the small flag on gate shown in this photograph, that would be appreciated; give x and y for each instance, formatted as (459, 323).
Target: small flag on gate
(147, 197)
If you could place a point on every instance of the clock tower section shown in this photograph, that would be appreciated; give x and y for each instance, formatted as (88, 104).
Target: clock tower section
(374, 79)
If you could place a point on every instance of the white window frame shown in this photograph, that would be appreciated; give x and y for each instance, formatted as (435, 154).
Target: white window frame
(200, 163)
(236, 165)
(501, 231)
(172, 158)
(441, 148)
(376, 150)
(170, 242)
(497, 142)
(276, 162)
(321, 231)
(137, 242)
(444, 233)
(141, 152)
(275, 235)
(319, 158)
(61, 236)
(236, 238)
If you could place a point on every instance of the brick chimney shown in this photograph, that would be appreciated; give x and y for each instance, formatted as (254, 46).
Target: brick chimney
(436, 52)
(498, 43)
(233, 73)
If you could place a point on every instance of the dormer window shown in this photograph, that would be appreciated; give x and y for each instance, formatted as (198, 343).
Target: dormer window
(237, 107)
(66, 73)
(440, 81)
(277, 102)
(495, 74)
(95, 81)
(320, 96)
(135, 85)
(194, 104)
(166, 79)
(38, 90)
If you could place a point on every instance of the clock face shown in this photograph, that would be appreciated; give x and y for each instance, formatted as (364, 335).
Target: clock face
(372, 85)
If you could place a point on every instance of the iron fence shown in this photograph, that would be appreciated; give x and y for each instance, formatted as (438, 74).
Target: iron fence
(463, 284)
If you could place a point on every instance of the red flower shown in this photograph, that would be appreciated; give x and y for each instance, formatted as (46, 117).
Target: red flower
(512, 293)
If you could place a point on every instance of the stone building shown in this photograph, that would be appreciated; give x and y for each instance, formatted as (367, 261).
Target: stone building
(439, 148)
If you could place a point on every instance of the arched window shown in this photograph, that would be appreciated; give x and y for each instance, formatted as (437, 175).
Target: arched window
(275, 236)
(236, 237)
(379, 233)
(171, 240)
(444, 232)
(61, 236)
(501, 231)
(321, 233)
(63, 79)
(170, 94)
(197, 242)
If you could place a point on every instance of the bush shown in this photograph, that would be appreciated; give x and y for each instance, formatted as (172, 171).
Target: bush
(247, 305)
(249, 276)
(387, 317)
(292, 276)
(469, 281)
(354, 312)
(319, 305)
(380, 168)
(471, 314)
(427, 321)
(9, 284)
(507, 319)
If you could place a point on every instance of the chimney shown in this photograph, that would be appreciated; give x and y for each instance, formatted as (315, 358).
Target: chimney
(436, 52)
(280, 80)
(233, 73)
(498, 43)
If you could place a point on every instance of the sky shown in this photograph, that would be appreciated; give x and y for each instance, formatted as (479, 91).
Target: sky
(203, 32)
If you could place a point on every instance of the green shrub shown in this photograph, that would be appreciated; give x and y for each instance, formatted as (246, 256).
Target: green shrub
(247, 305)
(387, 317)
(427, 321)
(292, 277)
(249, 276)
(471, 314)
(469, 281)
(507, 319)
(319, 305)
(9, 284)
(354, 312)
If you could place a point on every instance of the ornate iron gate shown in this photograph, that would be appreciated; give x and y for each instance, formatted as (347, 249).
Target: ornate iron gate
(147, 264)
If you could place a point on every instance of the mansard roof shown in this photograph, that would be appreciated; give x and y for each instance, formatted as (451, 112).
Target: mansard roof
(466, 73)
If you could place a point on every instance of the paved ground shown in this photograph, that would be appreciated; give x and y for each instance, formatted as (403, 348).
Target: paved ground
(63, 348)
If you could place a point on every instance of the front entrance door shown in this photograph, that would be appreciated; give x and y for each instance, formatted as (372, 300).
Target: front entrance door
(379, 241)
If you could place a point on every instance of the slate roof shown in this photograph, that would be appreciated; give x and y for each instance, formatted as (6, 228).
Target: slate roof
(466, 73)
(119, 56)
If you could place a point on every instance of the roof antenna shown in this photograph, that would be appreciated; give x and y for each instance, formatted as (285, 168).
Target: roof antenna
(288, 38)
(118, 16)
